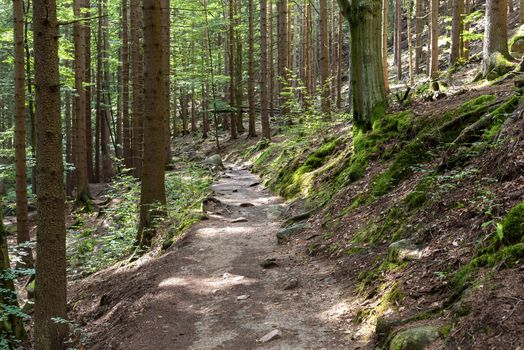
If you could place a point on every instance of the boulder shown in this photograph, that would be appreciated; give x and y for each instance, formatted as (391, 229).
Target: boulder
(284, 234)
(516, 43)
(404, 250)
(214, 161)
(415, 338)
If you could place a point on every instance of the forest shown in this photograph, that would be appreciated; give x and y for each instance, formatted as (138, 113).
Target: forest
(273, 174)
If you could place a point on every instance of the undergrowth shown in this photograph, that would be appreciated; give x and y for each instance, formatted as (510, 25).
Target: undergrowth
(91, 249)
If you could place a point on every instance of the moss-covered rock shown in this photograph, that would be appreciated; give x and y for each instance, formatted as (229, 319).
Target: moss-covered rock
(513, 225)
(415, 338)
(516, 43)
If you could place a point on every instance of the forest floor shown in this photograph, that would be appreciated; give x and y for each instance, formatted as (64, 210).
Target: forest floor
(224, 285)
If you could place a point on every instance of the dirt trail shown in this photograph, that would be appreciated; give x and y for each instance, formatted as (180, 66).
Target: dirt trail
(192, 301)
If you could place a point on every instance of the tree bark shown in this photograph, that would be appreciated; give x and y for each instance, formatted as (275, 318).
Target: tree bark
(22, 227)
(251, 71)
(434, 29)
(128, 157)
(419, 27)
(324, 60)
(50, 284)
(137, 78)
(367, 77)
(166, 28)
(283, 55)
(385, 44)
(81, 169)
(398, 38)
(264, 72)
(495, 50)
(232, 72)
(456, 30)
(153, 192)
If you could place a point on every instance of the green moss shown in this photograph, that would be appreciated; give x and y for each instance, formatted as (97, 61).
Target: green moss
(499, 115)
(419, 196)
(513, 225)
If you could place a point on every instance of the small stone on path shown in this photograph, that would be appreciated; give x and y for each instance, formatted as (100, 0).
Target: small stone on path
(269, 263)
(240, 219)
(274, 334)
(243, 297)
(254, 184)
(291, 284)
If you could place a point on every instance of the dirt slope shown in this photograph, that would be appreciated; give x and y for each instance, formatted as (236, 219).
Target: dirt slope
(188, 298)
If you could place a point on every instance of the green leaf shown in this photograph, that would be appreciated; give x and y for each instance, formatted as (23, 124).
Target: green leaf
(500, 231)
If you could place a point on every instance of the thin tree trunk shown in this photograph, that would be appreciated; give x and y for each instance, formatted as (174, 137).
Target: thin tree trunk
(324, 60)
(410, 43)
(137, 78)
(419, 26)
(434, 33)
(271, 63)
(82, 190)
(398, 36)
(69, 145)
(385, 43)
(340, 65)
(283, 48)
(89, 94)
(251, 71)
(232, 75)
(128, 157)
(22, 227)
(166, 27)
(266, 133)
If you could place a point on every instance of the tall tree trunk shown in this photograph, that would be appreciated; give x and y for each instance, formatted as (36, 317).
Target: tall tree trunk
(251, 71)
(419, 27)
(128, 157)
(456, 30)
(81, 170)
(434, 34)
(166, 28)
(340, 60)
(465, 43)
(367, 77)
(271, 79)
(232, 71)
(398, 38)
(410, 43)
(266, 133)
(50, 284)
(324, 59)
(153, 187)
(496, 53)
(22, 228)
(283, 48)
(88, 93)
(385, 44)
(137, 78)
(106, 137)
(194, 127)
(239, 68)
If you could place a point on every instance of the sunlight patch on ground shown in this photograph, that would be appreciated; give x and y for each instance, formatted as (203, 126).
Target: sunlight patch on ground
(210, 285)
(217, 231)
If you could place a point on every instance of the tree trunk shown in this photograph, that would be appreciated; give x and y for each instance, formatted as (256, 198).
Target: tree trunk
(495, 53)
(81, 169)
(89, 93)
(465, 43)
(410, 44)
(385, 44)
(324, 60)
(166, 27)
(69, 145)
(434, 34)
(128, 157)
(271, 64)
(340, 60)
(22, 228)
(137, 78)
(419, 27)
(153, 191)
(456, 30)
(107, 164)
(239, 68)
(251, 71)
(367, 77)
(50, 284)
(283, 48)
(398, 36)
(521, 11)
(264, 72)
(12, 326)
(232, 72)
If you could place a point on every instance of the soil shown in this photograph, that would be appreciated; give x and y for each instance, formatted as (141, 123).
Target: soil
(210, 291)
